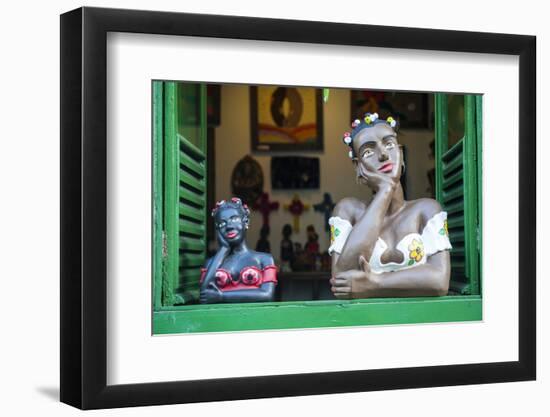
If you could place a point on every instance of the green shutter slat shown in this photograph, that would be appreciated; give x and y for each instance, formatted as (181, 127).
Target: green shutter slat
(453, 193)
(455, 222)
(191, 273)
(458, 264)
(192, 244)
(452, 164)
(191, 259)
(454, 150)
(191, 164)
(457, 250)
(191, 181)
(191, 149)
(196, 199)
(453, 179)
(457, 236)
(191, 212)
(192, 228)
(454, 208)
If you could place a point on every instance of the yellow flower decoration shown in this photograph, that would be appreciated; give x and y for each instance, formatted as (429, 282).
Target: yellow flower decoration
(368, 120)
(334, 232)
(445, 229)
(389, 119)
(416, 251)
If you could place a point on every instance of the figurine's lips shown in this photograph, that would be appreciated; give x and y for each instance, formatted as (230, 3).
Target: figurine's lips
(387, 167)
(231, 234)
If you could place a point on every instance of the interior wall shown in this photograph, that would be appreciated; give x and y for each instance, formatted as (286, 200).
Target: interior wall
(337, 176)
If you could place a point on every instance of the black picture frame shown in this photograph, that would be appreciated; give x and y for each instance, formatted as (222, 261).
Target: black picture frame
(84, 207)
(258, 146)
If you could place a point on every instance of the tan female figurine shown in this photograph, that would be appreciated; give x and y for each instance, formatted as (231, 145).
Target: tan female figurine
(389, 247)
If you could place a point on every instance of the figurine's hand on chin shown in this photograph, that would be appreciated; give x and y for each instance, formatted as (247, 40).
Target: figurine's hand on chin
(355, 283)
(378, 181)
(222, 240)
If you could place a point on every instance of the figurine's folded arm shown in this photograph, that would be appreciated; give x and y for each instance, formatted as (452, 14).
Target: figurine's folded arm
(429, 279)
(262, 294)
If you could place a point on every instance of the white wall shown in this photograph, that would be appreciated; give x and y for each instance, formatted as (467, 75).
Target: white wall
(29, 215)
(336, 169)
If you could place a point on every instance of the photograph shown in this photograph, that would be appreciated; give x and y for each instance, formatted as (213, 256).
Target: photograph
(355, 202)
(385, 218)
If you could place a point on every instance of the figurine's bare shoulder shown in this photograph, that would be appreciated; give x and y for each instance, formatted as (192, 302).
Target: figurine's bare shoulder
(349, 208)
(426, 208)
(265, 259)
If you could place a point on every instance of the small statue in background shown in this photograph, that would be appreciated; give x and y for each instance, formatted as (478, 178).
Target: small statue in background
(287, 249)
(312, 248)
(300, 261)
(236, 274)
(263, 244)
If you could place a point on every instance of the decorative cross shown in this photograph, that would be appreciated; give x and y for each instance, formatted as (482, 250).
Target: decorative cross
(264, 206)
(325, 206)
(296, 208)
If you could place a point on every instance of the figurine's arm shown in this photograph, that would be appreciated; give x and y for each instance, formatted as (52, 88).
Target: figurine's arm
(432, 278)
(262, 294)
(429, 279)
(208, 283)
(212, 265)
(366, 229)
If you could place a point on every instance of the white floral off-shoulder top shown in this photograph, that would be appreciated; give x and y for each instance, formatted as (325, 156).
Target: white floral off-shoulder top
(415, 247)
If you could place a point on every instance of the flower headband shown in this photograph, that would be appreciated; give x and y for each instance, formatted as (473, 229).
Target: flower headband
(369, 120)
(235, 201)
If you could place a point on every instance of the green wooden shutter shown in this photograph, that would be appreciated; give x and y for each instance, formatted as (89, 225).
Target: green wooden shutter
(459, 192)
(183, 203)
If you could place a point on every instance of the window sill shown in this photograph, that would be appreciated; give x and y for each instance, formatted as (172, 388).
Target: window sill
(315, 314)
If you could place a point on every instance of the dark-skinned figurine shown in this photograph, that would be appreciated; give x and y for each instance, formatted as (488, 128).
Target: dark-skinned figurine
(388, 247)
(263, 244)
(287, 248)
(311, 247)
(236, 274)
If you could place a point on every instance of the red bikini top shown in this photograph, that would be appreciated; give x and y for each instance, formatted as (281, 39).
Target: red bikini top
(249, 277)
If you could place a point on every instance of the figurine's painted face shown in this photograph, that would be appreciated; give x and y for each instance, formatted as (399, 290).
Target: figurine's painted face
(231, 224)
(377, 150)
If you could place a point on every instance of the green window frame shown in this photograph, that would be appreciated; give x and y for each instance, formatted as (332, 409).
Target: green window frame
(179, 247)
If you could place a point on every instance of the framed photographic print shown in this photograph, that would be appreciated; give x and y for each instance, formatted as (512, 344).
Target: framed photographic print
(160, 262)
(286, 118)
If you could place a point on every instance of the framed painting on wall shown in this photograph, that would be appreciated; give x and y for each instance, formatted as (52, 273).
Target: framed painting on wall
(286, 118)
(411, 109)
